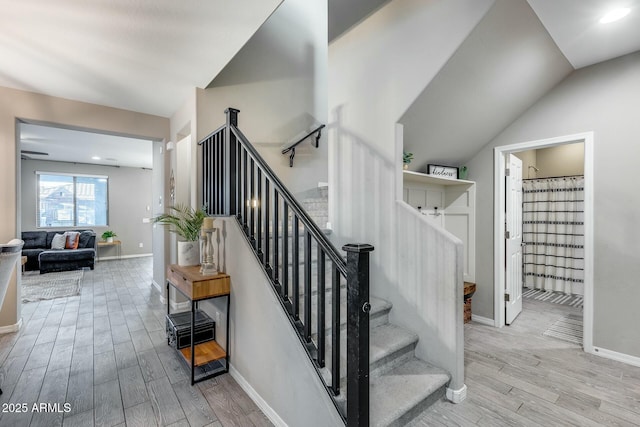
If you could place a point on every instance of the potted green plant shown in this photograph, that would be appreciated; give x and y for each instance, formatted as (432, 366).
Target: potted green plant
(186, 222)
(109, 235)
(406, 159)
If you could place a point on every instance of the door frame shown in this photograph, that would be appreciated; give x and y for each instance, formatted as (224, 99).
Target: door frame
(499, 217)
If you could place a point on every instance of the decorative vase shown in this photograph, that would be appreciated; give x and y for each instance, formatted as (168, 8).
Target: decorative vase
(188, 253)
(405, 166)
(109, 239)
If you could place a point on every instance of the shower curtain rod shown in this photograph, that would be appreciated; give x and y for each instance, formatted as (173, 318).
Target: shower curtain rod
(554, 177)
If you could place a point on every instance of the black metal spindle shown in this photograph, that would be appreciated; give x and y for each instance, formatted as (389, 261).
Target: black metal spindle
(335, 330)
(259, 206)
(285, 250)
(252, 201)
(295, 292)
(245, 198)
(239, 171)
(219, 184)
(307, 285)
(276, 234)
(321, 308)
(267, 224)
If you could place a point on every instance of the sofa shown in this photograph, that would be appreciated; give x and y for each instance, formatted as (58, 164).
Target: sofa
(40, 256)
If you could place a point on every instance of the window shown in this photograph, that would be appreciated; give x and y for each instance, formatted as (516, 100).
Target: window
(71, 200)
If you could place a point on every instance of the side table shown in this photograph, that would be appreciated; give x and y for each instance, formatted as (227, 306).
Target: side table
(116, 243)
(197, 287)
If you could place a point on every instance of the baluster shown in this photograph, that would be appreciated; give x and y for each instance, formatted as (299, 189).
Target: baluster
(238, 177)
(321, 307)
(245, 198)
(295, 293)
(259, 230)
(285, 250)
(267, 225)
(252, 226)
(219, 184)
(307, 285)
(276, 234)
(335, 330)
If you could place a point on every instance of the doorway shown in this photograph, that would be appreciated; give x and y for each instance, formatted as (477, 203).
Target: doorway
(500, 245)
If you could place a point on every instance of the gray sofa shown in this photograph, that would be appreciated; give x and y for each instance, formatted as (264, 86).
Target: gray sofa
(40, 256)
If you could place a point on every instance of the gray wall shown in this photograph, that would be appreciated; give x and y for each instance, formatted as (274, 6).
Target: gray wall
(129, 197)
(279, 82)
(507, 63)
(561, 160)
(603, 98)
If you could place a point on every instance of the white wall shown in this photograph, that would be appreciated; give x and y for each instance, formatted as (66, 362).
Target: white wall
(30, 106)
(278, 82)
(264, 348)
(603, 98)
(129, 196)
(376, 71)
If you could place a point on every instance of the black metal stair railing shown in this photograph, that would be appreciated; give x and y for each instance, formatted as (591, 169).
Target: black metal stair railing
(238, 182)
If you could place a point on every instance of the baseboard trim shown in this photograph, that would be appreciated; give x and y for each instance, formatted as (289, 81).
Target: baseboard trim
(159, 289)
(457, 396)
(614, 355)
(111, 258)
(259, 401)
(9, 329)
(482, 320)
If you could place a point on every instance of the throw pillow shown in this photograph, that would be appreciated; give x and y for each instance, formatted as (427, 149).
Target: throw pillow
(59, 241)
(73, 237)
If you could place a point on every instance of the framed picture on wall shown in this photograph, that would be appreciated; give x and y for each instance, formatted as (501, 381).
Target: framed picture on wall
(450, 172)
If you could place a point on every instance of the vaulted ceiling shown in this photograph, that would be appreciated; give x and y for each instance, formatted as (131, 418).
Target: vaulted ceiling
(140, 55)
(517, 53)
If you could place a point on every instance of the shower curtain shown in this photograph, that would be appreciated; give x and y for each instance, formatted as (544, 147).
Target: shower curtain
(553, 234)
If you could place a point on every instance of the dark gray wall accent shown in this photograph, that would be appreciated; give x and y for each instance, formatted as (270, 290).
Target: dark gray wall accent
(345, 14)
(129, 196)
(602, 98)
(506, 64)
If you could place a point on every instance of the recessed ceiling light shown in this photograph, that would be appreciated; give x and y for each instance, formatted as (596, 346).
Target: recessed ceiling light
(95, 158)
(615, 15)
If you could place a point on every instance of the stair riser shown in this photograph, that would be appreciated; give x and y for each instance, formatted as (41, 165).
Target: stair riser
(407, 417)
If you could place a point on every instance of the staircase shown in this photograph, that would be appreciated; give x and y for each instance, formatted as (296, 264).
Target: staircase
(366, 364)
(401, 385)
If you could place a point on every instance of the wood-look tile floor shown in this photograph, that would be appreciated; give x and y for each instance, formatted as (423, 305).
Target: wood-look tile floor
(104, 353)
(518, 377)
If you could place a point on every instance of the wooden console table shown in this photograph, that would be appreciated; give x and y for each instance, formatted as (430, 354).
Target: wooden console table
(196, 287)
(116, 243)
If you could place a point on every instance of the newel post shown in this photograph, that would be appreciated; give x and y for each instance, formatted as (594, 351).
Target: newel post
(230, 162)
(358, 308)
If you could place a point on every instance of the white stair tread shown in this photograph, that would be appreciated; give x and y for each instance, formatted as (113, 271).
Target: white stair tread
(397, 392)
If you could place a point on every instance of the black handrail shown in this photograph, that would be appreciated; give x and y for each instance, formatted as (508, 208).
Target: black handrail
(293, 203)
(292, 146)
(233, 177)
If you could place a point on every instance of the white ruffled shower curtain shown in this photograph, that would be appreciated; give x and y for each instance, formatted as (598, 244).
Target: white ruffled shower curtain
(553, 234)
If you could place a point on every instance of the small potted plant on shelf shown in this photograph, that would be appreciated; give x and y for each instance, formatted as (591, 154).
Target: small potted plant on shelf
(108, 236)
(406, 159)
(186, 222)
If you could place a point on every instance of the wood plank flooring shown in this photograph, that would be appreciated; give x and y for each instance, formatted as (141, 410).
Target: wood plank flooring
(105, 354)
(517, 377)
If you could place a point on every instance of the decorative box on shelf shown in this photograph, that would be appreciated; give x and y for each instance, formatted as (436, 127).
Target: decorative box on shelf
(178, 327)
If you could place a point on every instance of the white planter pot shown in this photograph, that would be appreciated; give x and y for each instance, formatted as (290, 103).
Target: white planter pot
(188, 253)
(109, 239)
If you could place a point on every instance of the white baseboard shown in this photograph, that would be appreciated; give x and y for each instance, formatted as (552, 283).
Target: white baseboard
(11, 328)
(160, 289)
(109, 258)
(457, 396)
(259, 401)
(482, 320)
(614, 355)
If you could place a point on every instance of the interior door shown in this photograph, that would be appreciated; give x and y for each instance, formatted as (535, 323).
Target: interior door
(513, 237)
